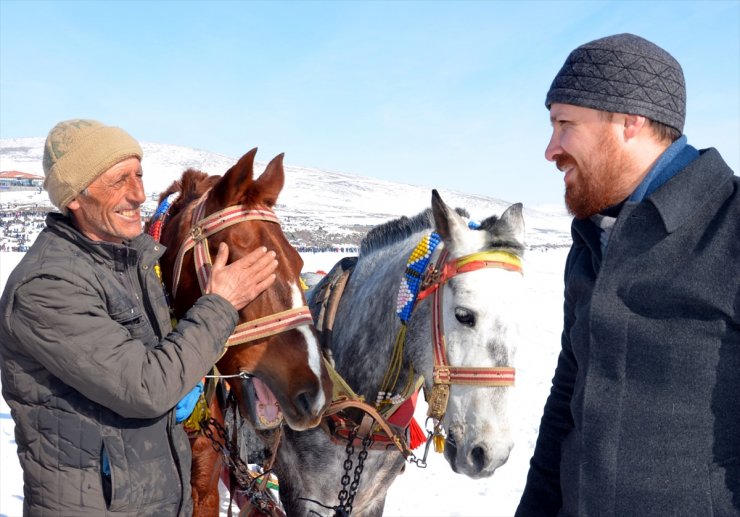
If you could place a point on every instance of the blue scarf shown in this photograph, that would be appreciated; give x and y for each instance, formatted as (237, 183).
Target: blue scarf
(678, 155)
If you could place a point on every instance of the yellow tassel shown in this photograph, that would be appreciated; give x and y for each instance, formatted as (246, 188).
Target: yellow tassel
(439, 443)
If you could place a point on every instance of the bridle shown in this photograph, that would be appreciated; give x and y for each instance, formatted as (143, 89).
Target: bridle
(423, 278)
(444, 375)
(203, 227)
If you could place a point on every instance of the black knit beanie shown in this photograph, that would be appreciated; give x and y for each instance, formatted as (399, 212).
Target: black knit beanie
(623, 73)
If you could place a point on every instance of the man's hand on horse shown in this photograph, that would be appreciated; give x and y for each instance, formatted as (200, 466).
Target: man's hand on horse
(243, 280)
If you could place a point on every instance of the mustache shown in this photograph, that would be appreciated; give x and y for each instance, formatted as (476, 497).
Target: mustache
(564, 161)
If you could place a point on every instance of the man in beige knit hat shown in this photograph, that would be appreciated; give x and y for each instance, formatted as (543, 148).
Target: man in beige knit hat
(91, 366)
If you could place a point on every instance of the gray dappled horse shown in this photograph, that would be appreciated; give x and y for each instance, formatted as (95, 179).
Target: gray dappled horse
(478, 313)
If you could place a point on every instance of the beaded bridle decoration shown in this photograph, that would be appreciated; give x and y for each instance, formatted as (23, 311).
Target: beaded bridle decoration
(157, 222)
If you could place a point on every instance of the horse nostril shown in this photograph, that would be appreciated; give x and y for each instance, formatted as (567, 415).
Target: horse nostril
(478, 457)
(303, 402)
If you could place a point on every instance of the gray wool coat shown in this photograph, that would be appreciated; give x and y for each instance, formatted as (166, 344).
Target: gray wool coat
(643, 418)
(90, 365)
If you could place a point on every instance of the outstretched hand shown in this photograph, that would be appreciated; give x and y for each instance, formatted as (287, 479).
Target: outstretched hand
(243, 280)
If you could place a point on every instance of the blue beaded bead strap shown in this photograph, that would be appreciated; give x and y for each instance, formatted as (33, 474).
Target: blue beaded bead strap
(416, 266)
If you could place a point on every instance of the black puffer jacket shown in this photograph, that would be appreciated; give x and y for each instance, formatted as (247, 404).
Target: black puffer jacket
(90, 364)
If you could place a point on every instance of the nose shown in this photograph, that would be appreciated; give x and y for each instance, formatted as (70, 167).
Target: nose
(310, 402)
(482, 457)
(137, 191)
(553, 149)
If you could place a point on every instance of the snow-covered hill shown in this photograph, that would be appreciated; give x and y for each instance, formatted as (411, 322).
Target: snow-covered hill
(340, 207)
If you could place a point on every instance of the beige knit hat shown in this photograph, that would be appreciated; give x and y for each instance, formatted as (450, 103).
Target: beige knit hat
(77, 151)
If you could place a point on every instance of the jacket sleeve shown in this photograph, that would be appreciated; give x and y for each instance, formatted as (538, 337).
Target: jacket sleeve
(87, 349)
(541, 496)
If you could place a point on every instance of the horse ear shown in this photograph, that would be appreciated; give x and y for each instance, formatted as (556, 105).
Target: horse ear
(271, 181)
(508, 230)
(447, 222)
(236, 179)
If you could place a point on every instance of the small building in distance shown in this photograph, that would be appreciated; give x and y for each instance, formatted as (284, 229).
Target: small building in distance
(17, 180)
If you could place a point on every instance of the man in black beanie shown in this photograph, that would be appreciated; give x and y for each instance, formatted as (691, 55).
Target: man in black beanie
(643, 417)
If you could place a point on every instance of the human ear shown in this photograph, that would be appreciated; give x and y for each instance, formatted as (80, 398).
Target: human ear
(73, 205)
(633, 125)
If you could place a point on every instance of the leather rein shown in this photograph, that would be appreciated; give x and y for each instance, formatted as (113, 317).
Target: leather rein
(203, 227)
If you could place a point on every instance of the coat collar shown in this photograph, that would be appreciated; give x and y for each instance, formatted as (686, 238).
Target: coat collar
(676, 202)
(701, 181)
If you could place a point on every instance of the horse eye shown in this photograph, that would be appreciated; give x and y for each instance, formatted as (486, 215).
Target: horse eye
(465, 316)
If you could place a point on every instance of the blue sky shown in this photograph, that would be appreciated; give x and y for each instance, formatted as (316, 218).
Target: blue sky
(442, 94)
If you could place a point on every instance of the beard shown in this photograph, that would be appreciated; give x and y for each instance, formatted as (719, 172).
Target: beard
(599, 180)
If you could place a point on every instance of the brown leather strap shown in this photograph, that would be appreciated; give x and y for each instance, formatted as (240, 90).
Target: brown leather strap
(328, 298)
(339, 405)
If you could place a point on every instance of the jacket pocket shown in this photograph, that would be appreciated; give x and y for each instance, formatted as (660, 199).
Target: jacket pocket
(121, 497)
(136, 324)
(105, 475)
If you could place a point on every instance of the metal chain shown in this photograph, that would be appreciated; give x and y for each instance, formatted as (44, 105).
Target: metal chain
(345, 481)
(347, 496)
(361, 457)
(261, 499)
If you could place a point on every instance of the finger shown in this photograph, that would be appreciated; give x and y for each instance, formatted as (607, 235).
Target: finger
(265, 260)
(267, 282)
(260, 271)
(252, 276)
(222, 256)
(254, 256)
(259, 287)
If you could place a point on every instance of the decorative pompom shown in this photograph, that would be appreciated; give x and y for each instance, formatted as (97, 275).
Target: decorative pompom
(416, 434)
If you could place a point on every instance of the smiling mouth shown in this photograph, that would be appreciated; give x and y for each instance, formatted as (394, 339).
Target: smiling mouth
(131, 213)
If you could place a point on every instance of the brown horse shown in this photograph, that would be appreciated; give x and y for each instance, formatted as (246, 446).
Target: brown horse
(277, 352)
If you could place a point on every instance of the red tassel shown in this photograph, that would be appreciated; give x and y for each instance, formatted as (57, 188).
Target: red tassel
(416, 434)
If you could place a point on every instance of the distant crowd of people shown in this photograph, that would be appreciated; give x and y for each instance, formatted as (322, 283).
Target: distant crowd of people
(331, 249)
(19, 228)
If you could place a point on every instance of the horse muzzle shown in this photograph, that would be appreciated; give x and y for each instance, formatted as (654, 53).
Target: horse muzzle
(476, 460)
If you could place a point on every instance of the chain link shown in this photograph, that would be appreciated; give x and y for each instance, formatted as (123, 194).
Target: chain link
(345, 481)
(350, 485)
(239, 470)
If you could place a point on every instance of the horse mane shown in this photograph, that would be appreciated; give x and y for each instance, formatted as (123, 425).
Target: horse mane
(399, 229)
(395, 230)
(191, 186)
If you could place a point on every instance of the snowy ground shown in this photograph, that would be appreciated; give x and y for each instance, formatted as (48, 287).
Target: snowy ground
(436, 490)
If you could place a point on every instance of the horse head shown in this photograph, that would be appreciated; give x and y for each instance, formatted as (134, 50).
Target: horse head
(478, 313)
(281, 366)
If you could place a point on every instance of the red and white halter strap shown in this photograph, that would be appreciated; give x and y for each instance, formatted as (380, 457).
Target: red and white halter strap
(197, 239)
